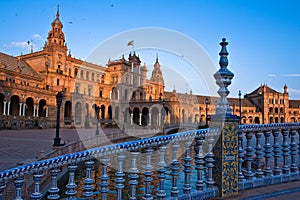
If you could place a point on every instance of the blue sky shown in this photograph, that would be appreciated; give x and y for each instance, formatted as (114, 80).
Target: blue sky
(263, 35)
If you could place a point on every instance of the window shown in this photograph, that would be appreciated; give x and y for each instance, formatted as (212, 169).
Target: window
(57, 81)
(87, 75)
(75, 72)
(76, 89)
(101, 92)
(81, 74)
(93, 78)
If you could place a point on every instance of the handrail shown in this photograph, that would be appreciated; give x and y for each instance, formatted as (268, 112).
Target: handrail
(265, 127)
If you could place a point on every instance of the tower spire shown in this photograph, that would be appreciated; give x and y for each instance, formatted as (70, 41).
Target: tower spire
(57, 12)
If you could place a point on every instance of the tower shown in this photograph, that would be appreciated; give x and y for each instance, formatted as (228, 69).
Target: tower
(158, 80)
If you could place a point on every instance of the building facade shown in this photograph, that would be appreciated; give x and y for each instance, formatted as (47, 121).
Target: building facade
(121, 91)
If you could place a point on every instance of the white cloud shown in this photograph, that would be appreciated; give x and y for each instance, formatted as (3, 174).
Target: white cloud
(272, 75)
(291, 75)
(38, 37)
(23, 45)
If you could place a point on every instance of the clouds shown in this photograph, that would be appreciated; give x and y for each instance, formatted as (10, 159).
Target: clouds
(284, 75)
(35, 42)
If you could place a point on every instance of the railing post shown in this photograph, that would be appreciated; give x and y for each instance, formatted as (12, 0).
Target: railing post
(148, 175)
(277, 151)
(268, 153)
(37, 181)
(226, 147)
(119, 180)
(18, 184)
(53, 191)
(161, 193)
(88, 181)
(199, 160)
(187, 168)
(2, 188)
(241, 155)
(249, 156)
(104, 178)
(293, 148)
(285, 152)
(133, 175)
(259, 155)
(174, 170)
(71, 186)
(298, 149)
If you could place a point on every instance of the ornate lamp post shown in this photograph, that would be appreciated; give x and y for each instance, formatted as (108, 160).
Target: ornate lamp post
(59, 98)
(206, 111)
(240, 104)
(97, 110)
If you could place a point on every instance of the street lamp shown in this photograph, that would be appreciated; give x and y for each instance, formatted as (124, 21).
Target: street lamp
(206, 110)
(97, 110)
(59, 98)
(240, 105)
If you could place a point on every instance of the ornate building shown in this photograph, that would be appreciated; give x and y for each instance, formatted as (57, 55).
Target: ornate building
(121, 91)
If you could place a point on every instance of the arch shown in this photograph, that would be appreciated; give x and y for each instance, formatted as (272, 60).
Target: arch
(164, 115)
(154, 116)
(14, 105)
(276, 120)
(270, 110)
(250, 119)
(145, 116)
(68, 111)
(42, 108)
(197, 119)
(109, 112)
(78, 109)
(281, 110)
(293, 119)
(102, 110)
(256, 120)
(276, 110)
(244, 120)
(281, 119)
(2, 98)
(271, 120)
(29, 107)
(136, 115)
(202, 119)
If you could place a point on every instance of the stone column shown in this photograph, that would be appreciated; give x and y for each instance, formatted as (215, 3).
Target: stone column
(20, 109)
(4, 108)
(37, 110)
(131, 119)
(159, 119)
(149, 119)
(8, 108)
(47, 111)
(34, 109)
(140, 119)
(24, 108)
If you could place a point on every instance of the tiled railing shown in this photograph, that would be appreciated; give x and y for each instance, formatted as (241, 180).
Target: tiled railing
(177, 166)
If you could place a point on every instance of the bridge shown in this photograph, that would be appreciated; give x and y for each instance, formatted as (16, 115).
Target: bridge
(219, 161)
(174, 128)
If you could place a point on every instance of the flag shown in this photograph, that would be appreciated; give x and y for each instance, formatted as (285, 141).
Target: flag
(130, 43)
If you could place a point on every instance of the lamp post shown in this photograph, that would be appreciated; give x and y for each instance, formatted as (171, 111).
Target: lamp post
(59, 98)
(240, 105)
(206, 111)
(97, 110)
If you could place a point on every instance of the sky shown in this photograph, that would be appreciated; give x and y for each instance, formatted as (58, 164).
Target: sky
(263, 37)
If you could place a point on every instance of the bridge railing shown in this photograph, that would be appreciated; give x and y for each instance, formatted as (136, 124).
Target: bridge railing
(127, 153)
(268, 154)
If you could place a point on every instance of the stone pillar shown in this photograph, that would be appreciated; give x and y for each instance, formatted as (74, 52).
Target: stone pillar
(4, 108)
(159, 119)
(47, 111)
(37, 110)
(8, 108)
(34, 109)
(131, 119)
(20, 109)
(24, 108)
(149, 119)
(226, 147)
(140, 119)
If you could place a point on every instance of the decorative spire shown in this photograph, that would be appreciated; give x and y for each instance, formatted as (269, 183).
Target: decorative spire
(223, 79)
(157, 57)
(57, 12)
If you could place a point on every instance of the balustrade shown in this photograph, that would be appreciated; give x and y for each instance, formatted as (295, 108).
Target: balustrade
(273, 154)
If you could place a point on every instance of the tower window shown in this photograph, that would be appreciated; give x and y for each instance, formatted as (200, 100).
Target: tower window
(57, 82)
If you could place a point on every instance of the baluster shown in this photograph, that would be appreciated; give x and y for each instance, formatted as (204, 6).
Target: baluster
(249, 156)
(18, 184)
(241, 155)
(2, 188)
(199, 161)
(71, 186)
(148, 175)
(299, 149)
(88, 181)
(161, 193)
(104, 178)
(268, 153)
(133, 175)
(53, 191)
(210, 159)
(119, 180)
(293, 149)
(37, 182)
(174, 170)
(187, 168)
(285, 152)
(276, 150)
(259, 155)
